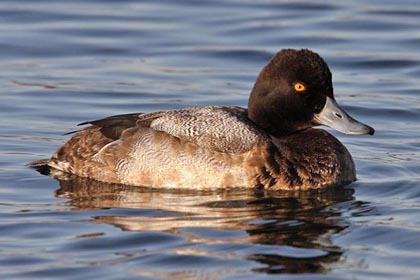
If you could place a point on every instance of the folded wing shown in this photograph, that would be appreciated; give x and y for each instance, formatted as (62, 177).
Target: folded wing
(224, 129)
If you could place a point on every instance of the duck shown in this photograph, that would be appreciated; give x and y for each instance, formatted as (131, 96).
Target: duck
(272, 145)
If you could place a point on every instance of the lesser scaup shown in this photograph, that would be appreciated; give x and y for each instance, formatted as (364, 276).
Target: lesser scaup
(270, 145)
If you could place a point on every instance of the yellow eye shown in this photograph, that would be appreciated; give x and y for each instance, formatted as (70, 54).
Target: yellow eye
(300, 87)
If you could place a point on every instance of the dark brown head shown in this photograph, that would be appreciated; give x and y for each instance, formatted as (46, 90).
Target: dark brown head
(293, 92)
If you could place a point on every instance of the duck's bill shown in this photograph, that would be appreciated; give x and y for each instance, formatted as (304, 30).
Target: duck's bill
(334, 116)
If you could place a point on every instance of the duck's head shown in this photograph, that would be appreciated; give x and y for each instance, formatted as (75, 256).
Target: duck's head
(293, 92)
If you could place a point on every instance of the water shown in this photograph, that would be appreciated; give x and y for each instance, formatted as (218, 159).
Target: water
(63, 63)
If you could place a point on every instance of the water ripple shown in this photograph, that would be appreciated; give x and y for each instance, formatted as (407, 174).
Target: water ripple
(64, 63)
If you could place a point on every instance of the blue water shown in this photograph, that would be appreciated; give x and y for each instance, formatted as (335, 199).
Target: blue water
(64, 62)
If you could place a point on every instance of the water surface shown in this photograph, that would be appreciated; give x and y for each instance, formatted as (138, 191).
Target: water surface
(64, 63)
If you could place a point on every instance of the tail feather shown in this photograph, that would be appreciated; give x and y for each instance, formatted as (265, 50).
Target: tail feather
(40, 165)
(39, 162)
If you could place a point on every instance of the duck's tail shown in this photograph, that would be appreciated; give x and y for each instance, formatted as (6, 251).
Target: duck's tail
(41, 165)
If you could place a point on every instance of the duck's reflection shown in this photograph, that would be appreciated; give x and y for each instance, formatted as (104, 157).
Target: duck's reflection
(299, 225)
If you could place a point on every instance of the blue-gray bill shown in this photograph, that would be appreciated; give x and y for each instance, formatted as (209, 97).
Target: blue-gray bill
(332, 115)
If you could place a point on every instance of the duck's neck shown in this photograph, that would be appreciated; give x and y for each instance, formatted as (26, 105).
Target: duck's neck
(276, 113)
(276, 124)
